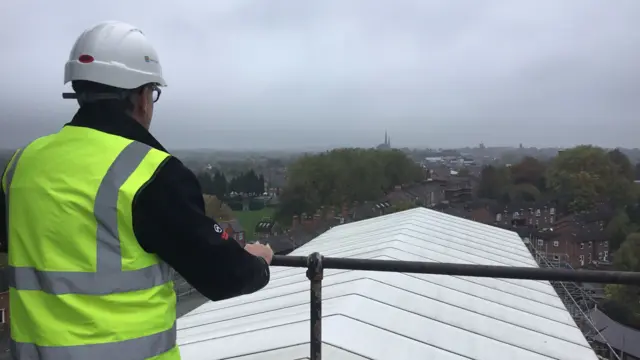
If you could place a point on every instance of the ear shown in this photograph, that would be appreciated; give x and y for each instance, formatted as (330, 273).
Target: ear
(147, 96)
(140, 99)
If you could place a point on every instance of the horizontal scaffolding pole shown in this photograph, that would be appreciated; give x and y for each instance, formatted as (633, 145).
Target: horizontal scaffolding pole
(490, 271)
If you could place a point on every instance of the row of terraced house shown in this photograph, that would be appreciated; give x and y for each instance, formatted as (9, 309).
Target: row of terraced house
(579, 240)
(433, 191)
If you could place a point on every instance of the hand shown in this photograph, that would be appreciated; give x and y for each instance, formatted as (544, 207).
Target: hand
(263, 251)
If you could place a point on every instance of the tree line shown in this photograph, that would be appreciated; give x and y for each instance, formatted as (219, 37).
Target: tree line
(578, 179)
(245, 183)
(341, 176)
(622, 302)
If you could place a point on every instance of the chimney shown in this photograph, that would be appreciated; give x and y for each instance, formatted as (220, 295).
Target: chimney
(295, 222)
(316, 220)
(306, 221)
(331, 213)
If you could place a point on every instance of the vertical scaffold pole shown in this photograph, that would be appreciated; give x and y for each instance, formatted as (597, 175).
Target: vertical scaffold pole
(315, 273)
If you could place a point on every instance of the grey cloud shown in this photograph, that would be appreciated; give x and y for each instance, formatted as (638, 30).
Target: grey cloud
(333, 73)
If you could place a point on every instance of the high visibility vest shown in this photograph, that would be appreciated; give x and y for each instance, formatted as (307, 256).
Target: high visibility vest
(81, 287)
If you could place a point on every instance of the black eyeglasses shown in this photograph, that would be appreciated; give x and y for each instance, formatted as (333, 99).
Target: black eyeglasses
(156, 92)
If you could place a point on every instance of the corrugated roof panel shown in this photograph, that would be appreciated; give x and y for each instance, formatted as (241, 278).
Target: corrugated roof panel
(301, 352)
(381, 315)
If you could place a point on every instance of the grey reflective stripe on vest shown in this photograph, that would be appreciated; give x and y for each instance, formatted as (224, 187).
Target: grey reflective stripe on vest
(134, 349)
(108, 278)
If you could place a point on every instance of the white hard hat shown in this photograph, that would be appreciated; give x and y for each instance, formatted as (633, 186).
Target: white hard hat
(116, 54)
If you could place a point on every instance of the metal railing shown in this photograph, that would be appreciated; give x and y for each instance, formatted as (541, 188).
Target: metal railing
(316, 263)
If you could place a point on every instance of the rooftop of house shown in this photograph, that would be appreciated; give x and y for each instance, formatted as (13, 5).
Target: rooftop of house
(281, 244)
(594, 216)
(600, 213)
(398, 196)
(441, 206)
(619, 336)
(591, 232)
(440, 173)
(285, 243)
(424, 189)
(395, 316)
(301, 234)
(364, 210)
(545, 234)
(380, 205)
(264, 226)
(580, 228)
(455, 211)
(522, 206)
(234, 223)
(459, 179)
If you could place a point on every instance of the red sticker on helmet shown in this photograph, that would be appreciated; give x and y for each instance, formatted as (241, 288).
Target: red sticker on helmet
(85, 59)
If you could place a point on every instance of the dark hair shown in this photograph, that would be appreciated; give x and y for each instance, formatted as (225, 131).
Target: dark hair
(120, 101)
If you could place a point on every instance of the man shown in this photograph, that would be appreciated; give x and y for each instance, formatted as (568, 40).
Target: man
(95, 215)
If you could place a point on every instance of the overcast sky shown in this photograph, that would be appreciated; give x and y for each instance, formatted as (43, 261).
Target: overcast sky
(294, 74)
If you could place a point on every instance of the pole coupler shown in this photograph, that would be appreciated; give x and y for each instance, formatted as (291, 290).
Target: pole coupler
(315, 273)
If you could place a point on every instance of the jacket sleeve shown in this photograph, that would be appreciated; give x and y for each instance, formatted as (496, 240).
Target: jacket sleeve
(169, 220)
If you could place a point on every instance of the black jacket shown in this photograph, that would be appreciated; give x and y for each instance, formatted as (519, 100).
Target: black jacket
(169, 220)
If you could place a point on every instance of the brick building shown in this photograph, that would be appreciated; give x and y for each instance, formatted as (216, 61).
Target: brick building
(435, 191)
(303, 229)
(539, 215)
(579, 239)
(583, 239)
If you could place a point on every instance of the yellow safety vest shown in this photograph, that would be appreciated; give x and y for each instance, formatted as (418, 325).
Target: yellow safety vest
(81, 287)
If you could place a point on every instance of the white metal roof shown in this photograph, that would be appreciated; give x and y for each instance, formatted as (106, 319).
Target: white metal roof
(377, 315)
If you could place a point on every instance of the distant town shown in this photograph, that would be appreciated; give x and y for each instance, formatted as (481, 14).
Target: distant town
(575, 208)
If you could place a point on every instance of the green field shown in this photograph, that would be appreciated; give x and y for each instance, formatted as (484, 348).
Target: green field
(249, 220)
